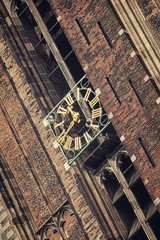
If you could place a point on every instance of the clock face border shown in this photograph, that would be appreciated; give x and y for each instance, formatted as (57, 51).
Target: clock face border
(95, 124)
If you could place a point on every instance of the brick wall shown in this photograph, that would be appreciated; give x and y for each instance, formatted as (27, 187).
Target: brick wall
(120, 64)
(23, 152)
(31, 164)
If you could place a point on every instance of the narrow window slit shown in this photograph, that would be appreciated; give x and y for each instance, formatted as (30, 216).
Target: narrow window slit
(147, 152)
(113, 90)
(82, 30)
(136, 93)
(105, 34)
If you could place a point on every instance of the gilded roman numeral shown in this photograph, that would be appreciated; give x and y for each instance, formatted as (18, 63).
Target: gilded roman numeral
(61, 137)
(94, 101)
(78, 144)
(58, 124)
(68, 143)
(87, 137)
(62, 110)
(96, 112)
(69, 99)
(87, 94)
(95, 126)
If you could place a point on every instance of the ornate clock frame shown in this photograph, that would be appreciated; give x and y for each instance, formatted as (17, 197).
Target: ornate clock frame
(64, 117)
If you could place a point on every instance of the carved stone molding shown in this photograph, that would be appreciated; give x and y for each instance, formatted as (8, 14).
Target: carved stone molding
(57, 226)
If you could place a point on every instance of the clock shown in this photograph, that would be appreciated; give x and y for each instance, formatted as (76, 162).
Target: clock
(77, 119)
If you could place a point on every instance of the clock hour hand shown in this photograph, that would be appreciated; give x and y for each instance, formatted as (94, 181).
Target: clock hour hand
(75, 115)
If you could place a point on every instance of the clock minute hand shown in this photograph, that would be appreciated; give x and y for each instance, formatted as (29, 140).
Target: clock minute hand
(70, 126)
(62, 136)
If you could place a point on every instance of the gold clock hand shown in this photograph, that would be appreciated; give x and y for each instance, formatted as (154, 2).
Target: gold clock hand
(70, 126)
(75, 115)
(62, 136)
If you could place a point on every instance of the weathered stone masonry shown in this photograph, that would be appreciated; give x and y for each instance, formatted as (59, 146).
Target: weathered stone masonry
(55, 200)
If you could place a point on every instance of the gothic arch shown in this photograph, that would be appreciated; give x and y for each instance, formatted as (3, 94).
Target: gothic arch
(65, 219)
(13, 7)
(50, 231)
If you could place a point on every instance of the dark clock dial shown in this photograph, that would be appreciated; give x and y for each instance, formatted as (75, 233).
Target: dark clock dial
(72, 127)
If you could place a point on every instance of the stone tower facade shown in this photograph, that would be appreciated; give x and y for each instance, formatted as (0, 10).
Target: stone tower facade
(112, 189)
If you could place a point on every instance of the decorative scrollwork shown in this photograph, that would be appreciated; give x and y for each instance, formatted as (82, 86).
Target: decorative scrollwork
(57, 227)
(50, 231)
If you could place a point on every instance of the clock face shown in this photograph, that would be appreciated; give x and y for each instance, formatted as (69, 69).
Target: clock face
(77, 120)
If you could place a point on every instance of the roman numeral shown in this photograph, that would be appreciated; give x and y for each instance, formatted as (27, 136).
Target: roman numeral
(58, 124)
(95, 126)
(62, 111)
(96, 113)
(68, 143)
(87, 94)
(61, 137)
(87, 137)
(69, 99)
(78, 144)
(94, 101)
